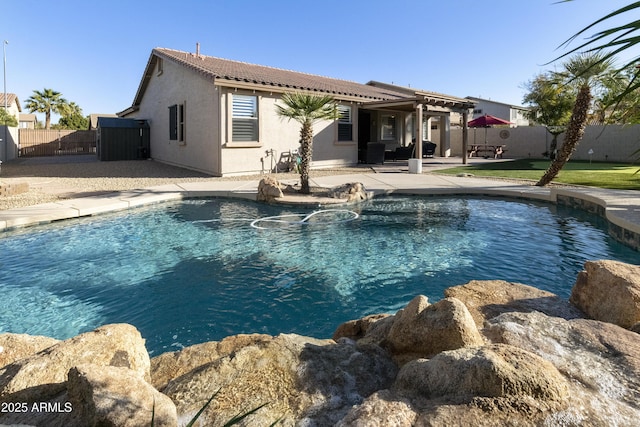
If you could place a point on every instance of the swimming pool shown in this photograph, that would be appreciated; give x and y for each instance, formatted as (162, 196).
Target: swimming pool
(193, 271)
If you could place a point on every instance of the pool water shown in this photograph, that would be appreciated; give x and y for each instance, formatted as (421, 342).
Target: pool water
(197, 270)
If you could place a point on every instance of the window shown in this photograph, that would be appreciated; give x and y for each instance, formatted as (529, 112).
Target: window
(176, 122)
(388, 126)
(345, 125)
(160, 66)
(181, 122)
(244, 118)
(173, 122)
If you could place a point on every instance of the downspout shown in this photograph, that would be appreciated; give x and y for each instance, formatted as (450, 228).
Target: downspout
(218, 95)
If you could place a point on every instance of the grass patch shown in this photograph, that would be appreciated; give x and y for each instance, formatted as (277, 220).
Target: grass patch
(597, 174)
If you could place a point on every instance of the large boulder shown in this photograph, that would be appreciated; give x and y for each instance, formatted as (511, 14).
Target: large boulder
(497, 370)
(423, 330)
(17, 346)
(350, 192)
(299, 378)
(602, 361)
(112, 396)
(358, 328)
(170, 365)
(45, 373)
(269, 189)
(609, 291)
(487, 299)
(381, 409)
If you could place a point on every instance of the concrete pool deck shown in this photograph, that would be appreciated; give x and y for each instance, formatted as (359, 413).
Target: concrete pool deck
(620, 207)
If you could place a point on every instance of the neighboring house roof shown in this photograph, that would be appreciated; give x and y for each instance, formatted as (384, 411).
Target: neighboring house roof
(11, 98)
(93, 119)
(518, 107)
(27, 118)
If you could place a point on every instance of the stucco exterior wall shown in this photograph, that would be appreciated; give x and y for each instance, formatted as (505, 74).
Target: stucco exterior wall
(280, 135)
(8, 148)
(177, 85)
(615, 143)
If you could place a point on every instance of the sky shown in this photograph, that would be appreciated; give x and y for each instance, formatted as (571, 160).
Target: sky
(95, 53)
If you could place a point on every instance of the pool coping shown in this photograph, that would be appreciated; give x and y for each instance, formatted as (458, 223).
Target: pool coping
(621, 208)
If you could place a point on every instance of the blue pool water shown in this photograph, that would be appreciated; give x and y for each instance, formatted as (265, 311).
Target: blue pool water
(194, 271)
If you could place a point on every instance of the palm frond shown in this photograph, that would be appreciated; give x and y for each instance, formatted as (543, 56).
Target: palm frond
(601, 35)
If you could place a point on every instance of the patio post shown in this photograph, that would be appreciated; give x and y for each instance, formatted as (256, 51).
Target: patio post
(465, 135)
(415, 164)
(419, 131)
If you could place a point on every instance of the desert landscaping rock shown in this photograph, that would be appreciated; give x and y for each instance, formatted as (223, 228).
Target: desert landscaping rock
(17, 346)
(486, 299)
(269, 189)
(43, 373)
(601, 360)
(298, 377)
(170, 365)
(495, 370)
(422, 330)
(112, 396)
(609, 291)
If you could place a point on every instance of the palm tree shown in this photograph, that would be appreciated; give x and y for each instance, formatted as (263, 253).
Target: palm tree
(586, 71)
(307, 109)
(47, 101)
(550, 104)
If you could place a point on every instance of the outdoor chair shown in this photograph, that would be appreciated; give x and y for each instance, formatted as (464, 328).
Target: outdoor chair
(375, 152)
(428, 148)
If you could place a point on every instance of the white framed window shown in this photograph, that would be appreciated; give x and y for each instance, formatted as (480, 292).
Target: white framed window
(345, 123)
(244, 118)
(388, 128)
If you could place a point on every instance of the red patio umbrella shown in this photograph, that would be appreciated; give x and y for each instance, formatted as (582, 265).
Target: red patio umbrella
(485, 122)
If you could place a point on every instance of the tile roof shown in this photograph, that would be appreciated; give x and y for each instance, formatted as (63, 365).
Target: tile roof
(11, 97)
(235, 71)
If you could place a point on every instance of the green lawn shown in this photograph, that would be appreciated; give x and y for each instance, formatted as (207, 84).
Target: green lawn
(596, 174)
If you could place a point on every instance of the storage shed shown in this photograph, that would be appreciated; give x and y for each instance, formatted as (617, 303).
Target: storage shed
(122, 139)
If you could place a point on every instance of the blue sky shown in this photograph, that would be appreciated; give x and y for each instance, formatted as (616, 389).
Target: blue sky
(95, 52)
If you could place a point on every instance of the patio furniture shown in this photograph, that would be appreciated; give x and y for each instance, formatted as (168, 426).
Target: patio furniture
(374, 152)
(428, 149)
(489, 150)
(404, 153)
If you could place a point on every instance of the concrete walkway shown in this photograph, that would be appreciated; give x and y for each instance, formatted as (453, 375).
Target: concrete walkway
(621, 208)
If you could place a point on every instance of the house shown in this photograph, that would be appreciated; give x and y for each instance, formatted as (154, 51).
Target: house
(12, 103)
(511, 113)
(219, 116)
(93, 119)
(27, 121)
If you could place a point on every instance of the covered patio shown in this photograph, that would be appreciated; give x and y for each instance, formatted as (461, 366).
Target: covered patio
(419, 107)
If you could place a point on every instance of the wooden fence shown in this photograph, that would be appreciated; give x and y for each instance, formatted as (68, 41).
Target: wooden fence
(53, 142)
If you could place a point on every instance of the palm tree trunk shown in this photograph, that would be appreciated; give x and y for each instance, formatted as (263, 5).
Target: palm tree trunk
(306, 153)
(574, 134)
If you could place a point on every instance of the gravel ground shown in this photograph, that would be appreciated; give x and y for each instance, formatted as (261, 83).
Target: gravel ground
(56, 178)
